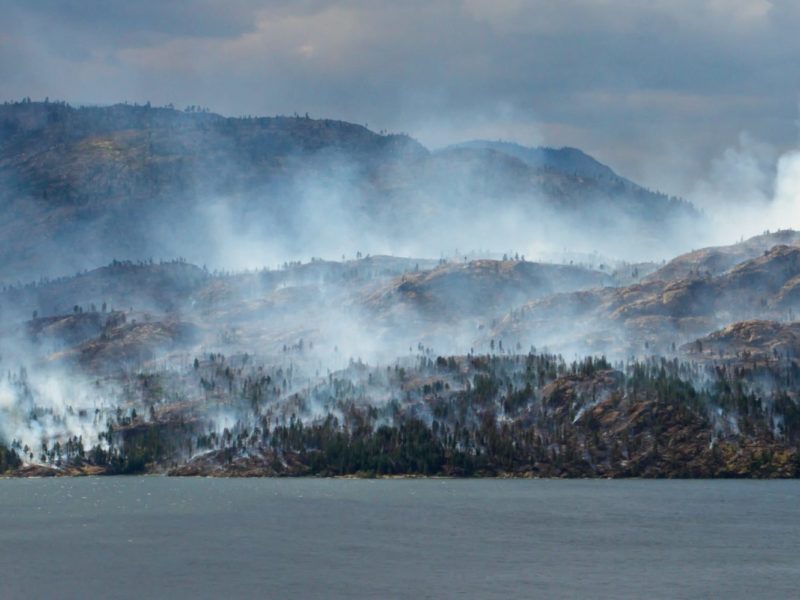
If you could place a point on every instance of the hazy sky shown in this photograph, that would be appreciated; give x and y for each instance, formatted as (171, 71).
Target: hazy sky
(655, 88)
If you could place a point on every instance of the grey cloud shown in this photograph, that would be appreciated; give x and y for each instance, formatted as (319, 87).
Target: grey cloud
(173, 17)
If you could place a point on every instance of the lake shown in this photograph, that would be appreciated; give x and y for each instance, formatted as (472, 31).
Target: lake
(158, 537)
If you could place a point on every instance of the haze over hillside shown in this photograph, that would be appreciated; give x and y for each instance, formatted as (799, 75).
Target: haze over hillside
(80, 186)
(189, 293)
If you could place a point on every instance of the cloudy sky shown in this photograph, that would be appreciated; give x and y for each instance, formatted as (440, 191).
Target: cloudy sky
(656, 88)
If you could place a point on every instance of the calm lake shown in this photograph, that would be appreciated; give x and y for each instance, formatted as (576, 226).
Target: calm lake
(157, 537)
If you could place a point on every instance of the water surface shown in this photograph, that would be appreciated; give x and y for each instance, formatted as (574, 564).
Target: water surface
(156, 537)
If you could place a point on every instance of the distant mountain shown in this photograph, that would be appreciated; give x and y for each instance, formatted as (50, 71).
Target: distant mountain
(568, 161)
(81, 186)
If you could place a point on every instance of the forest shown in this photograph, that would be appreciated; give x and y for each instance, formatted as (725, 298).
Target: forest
(475, 415)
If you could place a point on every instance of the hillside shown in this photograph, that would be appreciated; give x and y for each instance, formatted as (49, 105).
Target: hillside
(389, 304)
(80, 186)
(371, 364)
(718, 259)
(568, 161)
(349, 367)
(406, 302)
(523, 416)
(749, 343)
(658, 314)
(327, 304)
(482, 288)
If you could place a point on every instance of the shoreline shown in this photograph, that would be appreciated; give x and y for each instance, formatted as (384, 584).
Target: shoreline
(45, 473)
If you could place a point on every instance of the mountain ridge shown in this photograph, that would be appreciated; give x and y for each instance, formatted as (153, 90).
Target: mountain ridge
(564, 159)
(114, 181)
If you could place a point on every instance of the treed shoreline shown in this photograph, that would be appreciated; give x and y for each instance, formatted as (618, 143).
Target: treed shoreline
(475, 416)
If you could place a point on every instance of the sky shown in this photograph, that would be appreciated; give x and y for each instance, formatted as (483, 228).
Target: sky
(661, 90)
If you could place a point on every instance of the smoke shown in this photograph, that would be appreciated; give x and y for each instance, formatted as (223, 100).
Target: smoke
(454, 206)
(750, 188)
(41, 407)
(315, 319)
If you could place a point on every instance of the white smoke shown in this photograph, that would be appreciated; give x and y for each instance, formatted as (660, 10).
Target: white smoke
(749, 189)
(785, 210)
(39, 409)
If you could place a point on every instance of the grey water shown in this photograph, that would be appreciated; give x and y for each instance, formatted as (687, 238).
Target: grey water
(157, 537)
